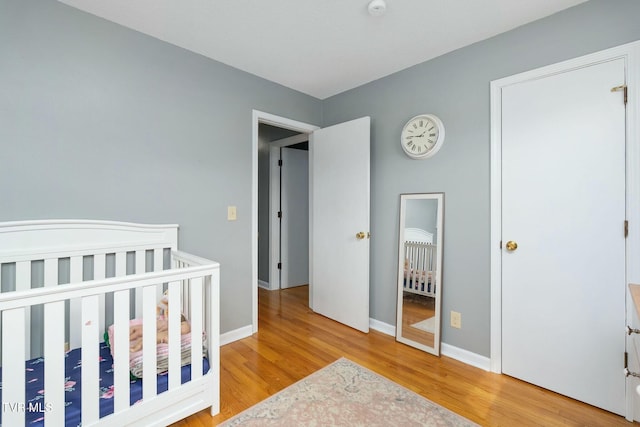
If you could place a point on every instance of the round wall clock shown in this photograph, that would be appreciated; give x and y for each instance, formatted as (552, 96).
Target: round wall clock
(422, 136)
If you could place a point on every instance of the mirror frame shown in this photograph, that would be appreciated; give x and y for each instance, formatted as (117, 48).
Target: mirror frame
(439, 197)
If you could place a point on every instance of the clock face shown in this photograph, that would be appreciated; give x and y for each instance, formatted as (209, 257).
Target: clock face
(422, 136)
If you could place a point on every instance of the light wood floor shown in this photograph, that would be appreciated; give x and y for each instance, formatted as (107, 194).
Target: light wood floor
(293, 342)
(414, 309)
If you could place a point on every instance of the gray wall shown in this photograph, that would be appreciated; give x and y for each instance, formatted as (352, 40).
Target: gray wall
(98, 121)
(455, 87)
(101, 122)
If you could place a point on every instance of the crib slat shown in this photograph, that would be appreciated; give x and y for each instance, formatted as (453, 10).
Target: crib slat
(54, 375)
(158, 260)
(149, 330)
(13, 382)
(23, 283)
(158, 265)
(23, 275)
(141, 258)
(99, 273)
(120, 347)
(174, 334)
(51, 272)
(90, 359)
(196, 327)
(75, 308)
(121, 264)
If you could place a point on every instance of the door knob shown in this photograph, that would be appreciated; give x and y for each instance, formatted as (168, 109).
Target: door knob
(511, 245)
(361, 235)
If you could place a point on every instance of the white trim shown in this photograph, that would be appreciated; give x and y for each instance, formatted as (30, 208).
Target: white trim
(263, 284)
(292, 140)
(236, 335)
(282, 122)
(448, 350)
(379, 326)
(631, 54)
(633, 201)
(466, 356)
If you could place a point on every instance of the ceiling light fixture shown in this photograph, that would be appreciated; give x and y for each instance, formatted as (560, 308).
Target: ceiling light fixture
(377, 7)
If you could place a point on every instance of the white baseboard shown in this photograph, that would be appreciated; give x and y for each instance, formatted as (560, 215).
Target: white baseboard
(235, 335)
(385, 328)
(448, 350)
(263, 284)
(465, 356)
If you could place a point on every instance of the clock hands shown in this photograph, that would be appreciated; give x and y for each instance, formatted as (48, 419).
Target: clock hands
(417, 136)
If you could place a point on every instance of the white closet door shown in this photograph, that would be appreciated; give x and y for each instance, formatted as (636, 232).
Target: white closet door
(563, 203)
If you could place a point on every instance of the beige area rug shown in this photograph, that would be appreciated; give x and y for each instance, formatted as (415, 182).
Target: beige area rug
(427, 325)
(346, 394)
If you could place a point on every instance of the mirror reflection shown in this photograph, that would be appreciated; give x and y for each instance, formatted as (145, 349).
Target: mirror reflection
(420, 270)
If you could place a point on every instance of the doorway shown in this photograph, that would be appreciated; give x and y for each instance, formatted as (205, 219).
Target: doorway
(283, 208)
(286, 132)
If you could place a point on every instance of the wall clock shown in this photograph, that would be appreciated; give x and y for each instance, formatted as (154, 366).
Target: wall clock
(422, 136)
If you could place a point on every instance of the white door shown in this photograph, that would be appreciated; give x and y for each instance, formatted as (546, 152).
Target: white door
(563, 204)
(339, 267)
(294, 225)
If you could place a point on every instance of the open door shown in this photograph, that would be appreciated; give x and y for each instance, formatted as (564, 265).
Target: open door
(339, 222)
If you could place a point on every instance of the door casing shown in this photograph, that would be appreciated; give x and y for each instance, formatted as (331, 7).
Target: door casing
(631, 54)
(281, 122)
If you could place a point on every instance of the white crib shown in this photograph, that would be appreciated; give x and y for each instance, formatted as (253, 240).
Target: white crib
(64, 282)
(420, 262)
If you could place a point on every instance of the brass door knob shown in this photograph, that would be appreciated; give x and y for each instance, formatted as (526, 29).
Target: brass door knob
(511, 245)
(361, 235)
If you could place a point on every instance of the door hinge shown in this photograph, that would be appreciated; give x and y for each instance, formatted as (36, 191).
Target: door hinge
(626, 360)
(622, 88)
(280, 162)
(280, 214)
(626, 228)
(627, 372)
(279, 266)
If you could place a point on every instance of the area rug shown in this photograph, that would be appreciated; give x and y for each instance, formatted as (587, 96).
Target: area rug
(346, 394)
(427, 325)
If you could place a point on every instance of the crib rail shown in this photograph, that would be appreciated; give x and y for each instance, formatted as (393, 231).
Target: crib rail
(420, 267)
(194, 282)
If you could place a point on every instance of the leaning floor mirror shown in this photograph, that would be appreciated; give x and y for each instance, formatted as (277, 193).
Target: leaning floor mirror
(420, 271)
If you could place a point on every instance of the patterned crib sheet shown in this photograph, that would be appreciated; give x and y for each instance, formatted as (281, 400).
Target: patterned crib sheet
(35, 408)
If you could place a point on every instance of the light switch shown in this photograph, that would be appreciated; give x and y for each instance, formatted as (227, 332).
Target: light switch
(231, 213)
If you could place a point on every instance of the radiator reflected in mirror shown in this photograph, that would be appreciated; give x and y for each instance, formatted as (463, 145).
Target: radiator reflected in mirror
(420, 271)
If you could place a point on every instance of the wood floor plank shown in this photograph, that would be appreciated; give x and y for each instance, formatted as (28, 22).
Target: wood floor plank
(293, 342)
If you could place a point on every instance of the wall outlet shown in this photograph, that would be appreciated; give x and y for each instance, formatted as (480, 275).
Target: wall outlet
(456, 320)
(231, 213)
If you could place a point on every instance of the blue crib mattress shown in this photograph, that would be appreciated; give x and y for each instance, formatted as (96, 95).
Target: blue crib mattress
(34, 406)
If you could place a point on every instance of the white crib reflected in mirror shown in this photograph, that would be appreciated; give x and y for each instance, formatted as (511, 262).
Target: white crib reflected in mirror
(420, 271)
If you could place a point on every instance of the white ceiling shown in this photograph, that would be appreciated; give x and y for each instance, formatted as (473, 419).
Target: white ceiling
(321, 47)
